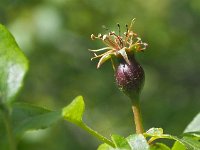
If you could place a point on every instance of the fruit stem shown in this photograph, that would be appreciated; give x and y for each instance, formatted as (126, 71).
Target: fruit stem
(137, 117)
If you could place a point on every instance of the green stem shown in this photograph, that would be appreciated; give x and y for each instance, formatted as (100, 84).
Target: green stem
(137, 117)
(7, 122)
(96, 134)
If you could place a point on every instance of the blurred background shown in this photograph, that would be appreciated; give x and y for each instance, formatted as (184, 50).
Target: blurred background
(55, 36)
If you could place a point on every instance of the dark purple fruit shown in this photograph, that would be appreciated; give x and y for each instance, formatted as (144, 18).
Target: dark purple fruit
(129, 74)
(130, 77)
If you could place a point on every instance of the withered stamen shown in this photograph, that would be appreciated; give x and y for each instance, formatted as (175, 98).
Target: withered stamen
(118, 44)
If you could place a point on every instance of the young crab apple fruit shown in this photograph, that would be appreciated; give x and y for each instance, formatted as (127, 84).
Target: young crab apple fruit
(128, 73)
(130, 77)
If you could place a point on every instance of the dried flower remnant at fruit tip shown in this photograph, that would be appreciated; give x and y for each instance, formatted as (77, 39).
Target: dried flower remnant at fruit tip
(118, 45)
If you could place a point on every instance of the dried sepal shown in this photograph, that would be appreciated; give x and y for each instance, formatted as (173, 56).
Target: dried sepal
(124, 55)
(103, 59)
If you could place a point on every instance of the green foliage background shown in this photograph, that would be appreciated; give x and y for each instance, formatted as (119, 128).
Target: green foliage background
(55, 36)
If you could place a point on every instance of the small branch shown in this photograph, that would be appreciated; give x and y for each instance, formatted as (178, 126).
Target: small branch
(137, 117)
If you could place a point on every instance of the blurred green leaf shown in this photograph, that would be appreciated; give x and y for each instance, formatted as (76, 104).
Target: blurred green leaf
(191, 143)
(13, 66)
(105, 147)
(132, 142)
(28, 117)
(120, 142)
(194, 125)
(178, 146)
(137, 142)
(74, 111)
(159, 146)
(194, 135)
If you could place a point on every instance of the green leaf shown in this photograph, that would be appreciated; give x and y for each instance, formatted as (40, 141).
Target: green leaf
(159, 146)
(132, 142)
(194, 126)
(157, 133)
(105, 147)
(74, 111)
(190, 143)
(13, 66)
(28, 117)
(194, 135)
(120, 142)
(137, 142)
(178, 146)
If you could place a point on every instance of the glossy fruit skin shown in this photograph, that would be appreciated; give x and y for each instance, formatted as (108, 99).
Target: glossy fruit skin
(130, 77)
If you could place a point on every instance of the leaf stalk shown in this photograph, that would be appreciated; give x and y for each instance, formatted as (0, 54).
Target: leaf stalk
(96, 134)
